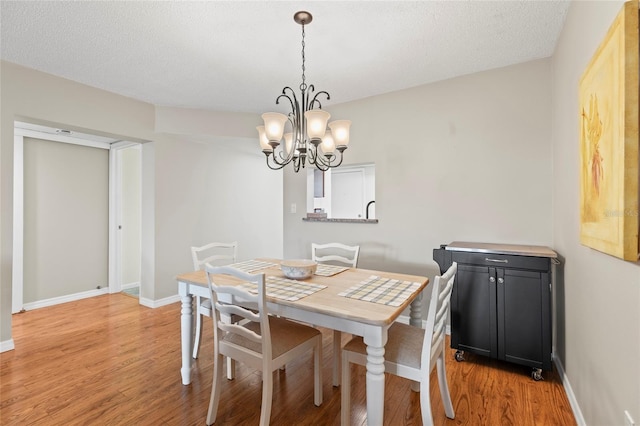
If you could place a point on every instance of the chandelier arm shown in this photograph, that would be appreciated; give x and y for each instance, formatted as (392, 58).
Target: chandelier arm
(312, 153)
(280, 166)
(293, 101)
(321, 165)
(339, 162)
(321, 161)
(295, 116)
(324, 159)
(315, 100)
(286, 160)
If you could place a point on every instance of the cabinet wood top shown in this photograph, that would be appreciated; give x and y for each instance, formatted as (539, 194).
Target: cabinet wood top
(522, 250)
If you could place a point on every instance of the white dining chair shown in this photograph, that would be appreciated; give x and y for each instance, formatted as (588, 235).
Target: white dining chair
(261, 341)
(342, 255)
(335, 253)
(212, 254)
(410, 352)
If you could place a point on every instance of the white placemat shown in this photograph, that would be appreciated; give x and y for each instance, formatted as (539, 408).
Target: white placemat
(285, 289)
(385, 291)
(329, 270)
(251, 266)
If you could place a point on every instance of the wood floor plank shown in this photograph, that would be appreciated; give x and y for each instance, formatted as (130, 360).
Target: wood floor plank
(109, 361)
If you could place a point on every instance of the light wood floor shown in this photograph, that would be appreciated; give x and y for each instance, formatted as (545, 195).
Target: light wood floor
(109, 361)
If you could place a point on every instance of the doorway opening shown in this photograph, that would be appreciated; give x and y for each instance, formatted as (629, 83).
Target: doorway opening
(45, 232)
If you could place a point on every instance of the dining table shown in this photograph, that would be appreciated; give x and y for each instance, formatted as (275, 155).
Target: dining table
(362, 302)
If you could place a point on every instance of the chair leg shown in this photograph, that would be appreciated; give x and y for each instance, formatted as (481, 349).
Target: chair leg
(337, 348)
(198, 334)
(231, 368)
(444, 386)
(317, 372)
(345, 397)
(215, 391)
(267, 396)
(425, 403)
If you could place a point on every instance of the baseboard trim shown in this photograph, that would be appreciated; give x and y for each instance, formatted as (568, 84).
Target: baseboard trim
(92, 293)
(64, 299)
(7, 345)
(577, 412)
(130, 285)
(149, 303)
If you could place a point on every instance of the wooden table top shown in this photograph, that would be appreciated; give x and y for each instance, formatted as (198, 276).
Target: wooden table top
(327, 301)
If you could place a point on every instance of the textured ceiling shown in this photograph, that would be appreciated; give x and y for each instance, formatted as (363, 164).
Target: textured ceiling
(238, 55)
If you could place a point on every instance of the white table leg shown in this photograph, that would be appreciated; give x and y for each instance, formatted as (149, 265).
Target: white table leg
(186, 319)
(375, 378)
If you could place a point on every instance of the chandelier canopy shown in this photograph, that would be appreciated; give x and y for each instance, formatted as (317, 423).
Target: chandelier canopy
(309, 140)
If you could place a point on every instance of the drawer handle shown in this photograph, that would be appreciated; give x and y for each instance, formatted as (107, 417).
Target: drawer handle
(496, 260)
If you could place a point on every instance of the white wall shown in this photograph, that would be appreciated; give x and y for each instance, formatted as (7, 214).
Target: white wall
(131, 161)
(599, 331)
(235, 177)
(66, 218)
(218, 191)
(31, 96)
(463, 159)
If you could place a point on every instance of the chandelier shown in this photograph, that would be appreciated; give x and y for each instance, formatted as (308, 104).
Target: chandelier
(309, 140)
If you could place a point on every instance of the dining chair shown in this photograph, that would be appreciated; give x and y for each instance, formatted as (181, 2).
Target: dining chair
(261, 341)
(410, 352)
(343, 255)
(335, 253)
(213, 254)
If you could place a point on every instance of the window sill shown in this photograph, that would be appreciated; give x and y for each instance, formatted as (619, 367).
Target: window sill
(324, 219)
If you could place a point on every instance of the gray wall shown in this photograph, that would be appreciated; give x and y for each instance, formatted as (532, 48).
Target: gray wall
(599, 330)
(66, 219)
(131, 174)
(170, 159)
(32, 96)
(464, 159)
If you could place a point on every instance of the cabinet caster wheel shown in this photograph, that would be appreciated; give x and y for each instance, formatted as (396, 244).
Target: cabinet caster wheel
(536, 374)
(459, 356)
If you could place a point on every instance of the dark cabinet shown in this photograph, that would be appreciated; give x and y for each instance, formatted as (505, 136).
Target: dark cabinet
(501, 301)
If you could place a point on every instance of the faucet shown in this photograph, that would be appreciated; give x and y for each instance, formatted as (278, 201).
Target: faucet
(368, 204)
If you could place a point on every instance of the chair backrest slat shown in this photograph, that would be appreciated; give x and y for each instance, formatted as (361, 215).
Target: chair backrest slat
(439, 308)
(228, 300)
(233, 328)
(214, 254)
(335, 252)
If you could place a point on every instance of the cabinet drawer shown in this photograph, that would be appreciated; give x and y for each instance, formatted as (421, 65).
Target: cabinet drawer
(542, 264)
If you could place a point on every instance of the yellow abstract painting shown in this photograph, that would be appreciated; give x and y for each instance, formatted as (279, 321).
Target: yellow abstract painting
(608, 99)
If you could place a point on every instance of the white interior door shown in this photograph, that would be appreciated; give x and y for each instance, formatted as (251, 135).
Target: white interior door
(127, 223)
(347, 194)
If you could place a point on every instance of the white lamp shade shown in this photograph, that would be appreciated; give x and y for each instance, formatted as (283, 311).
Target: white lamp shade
(262, 137)
(340, 130)
(316, 123)
(274, 125)
(288, 142)
(328, 145)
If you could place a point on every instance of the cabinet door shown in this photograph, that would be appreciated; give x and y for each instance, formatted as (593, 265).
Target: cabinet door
(473, 310)
(524, 334)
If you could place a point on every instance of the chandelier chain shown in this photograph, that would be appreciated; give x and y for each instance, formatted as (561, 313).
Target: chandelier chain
(303, 85)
